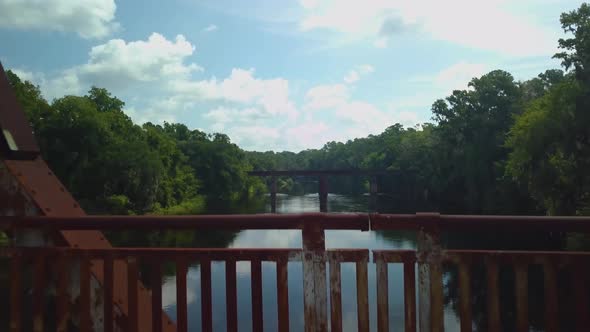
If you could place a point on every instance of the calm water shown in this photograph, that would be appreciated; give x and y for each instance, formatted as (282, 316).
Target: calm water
(292, 239)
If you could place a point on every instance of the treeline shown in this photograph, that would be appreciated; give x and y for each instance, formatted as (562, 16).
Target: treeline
(114, 166)
(499, 147)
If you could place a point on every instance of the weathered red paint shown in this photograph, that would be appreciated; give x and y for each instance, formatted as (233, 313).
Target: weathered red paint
(343, 221)
(16, 137)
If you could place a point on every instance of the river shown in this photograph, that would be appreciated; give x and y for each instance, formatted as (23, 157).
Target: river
(292, 239)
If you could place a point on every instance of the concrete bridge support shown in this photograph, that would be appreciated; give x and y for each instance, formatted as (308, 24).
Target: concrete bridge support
(323, 193)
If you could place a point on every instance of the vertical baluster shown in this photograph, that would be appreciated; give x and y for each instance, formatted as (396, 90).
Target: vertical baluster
(15, 293)
(410, 295)
(362, 296)
(109, 320)
(581, 297)
(156, 281)
(494, 323)
(283, 295)
(550, 284)
(522, 309)
(465, 297)
(181, 304)
(436, 297)
(231, 295)
(206, 310)
(38, 292)
(132, 293)
(382, 295)
(85, 316)
(63, 298)
(256, 279)
(335, 296)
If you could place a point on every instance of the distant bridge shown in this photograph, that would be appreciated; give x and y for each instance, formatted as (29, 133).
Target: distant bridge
(323, 181)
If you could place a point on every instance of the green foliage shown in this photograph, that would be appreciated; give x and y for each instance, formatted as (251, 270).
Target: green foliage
(500, 146)
(114, 166)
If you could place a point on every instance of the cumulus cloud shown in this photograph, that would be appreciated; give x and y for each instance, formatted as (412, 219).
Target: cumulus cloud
(159, 82)
(462, 22)
(119, 65)
(87, 18)
(359, 118)
(241, 87)
(454, 77)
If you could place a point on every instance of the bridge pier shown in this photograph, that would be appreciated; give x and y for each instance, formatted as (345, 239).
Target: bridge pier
(373, 190)
(273, 194)
(323, 193)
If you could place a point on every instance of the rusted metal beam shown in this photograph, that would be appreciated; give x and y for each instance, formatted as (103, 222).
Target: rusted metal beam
(283, 295)
(429, 274)
(231, 296)
(382, 295)
(344, 221)
(85, 302)
(63, 297)
(16, 136)
(16, 293)
(314, 278)
(109, 294)
(522, 301)
(359, 172)
(156, 283)
(410, 295)
(469, 223)
(39, 281)
(335, 295)
(256, 287)
(579, 282)
(551, 299)
(493, 294)
(465, 297)
(39, 192)
(132, 295)
(206, 303)
(362, 296)
(181, 296)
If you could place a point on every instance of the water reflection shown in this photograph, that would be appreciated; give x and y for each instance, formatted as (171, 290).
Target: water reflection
(292, 239)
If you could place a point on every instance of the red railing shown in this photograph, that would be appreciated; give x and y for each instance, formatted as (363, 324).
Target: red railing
(422, 311)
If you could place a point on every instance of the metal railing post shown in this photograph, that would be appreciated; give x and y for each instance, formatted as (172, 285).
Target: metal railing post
(430, 290)
(314, 278)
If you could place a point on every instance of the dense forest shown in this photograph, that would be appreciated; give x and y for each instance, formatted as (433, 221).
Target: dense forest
(499, 147)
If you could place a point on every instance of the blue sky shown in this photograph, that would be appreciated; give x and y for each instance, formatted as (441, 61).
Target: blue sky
(277, 75)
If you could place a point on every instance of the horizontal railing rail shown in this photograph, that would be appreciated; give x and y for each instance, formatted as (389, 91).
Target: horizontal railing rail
(423, 271)
(326, 221)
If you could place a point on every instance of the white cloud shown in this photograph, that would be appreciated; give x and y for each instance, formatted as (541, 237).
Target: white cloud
(356, 73)
(210, 28)
(326, 96)
(88, 18)
(119, 65)
(454, 77)
(357, 118)
(270, 95)
(464, 22)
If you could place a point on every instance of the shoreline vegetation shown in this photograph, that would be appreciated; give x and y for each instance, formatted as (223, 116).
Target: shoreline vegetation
(499, 147)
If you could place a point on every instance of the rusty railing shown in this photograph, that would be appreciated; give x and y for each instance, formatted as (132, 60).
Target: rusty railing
(68, 271)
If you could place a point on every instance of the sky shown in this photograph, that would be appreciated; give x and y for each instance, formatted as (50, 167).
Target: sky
(277, 75)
